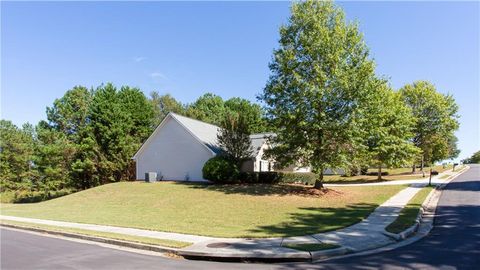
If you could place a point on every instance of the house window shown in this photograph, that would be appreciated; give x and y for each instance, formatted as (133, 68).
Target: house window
(264, 166)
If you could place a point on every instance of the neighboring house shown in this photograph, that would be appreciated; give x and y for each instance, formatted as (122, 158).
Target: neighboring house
(180, 146)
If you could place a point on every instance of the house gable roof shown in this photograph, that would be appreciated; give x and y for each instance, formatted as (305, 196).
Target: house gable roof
(258, 140)
(206, 134)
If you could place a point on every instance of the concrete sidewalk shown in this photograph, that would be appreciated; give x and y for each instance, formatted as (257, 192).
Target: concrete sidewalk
(365, 235)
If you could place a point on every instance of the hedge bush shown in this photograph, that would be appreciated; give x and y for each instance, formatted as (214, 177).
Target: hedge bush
(220, 170)
(27, 196)
(376, 173)
(299, 178)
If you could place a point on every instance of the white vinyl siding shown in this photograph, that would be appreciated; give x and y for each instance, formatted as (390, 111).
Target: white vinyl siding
(173, 153)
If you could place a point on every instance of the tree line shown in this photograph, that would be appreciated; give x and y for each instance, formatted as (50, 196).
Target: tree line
(90, 136)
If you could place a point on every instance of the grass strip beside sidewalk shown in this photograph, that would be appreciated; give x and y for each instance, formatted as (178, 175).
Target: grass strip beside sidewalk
(116, 236)
(409, 213)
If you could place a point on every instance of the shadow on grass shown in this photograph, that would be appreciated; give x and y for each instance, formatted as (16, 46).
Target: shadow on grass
(261, 189)
(311, 220)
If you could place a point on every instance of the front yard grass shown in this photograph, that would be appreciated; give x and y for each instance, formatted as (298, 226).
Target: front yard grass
(117, 236)
(212, 210)
(409, 213)
(393, 174)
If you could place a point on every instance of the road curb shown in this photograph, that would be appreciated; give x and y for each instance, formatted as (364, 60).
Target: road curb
(98, 239)
(323, 254)
(246, 257)
(427, 208)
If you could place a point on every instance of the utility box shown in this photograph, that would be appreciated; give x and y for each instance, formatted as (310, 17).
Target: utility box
(150, 177)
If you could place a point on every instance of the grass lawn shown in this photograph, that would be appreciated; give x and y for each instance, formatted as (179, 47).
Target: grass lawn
(311, 246)
(393, 174)
(223, 211)
(410, 212)
(130, 238)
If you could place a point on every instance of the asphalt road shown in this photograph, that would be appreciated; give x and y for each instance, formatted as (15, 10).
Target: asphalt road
(454, 243)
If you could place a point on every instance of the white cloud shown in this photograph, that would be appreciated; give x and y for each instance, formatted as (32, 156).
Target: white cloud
(157, 75)
(139, 58)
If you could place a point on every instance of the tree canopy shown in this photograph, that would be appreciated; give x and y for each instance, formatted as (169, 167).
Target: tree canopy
(435, 121)
(475, 158)
(320, 73)
(387, 125)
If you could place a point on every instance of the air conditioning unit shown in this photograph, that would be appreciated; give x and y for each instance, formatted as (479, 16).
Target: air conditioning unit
(150, 177)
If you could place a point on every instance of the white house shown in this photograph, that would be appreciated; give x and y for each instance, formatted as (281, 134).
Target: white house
(180, 146)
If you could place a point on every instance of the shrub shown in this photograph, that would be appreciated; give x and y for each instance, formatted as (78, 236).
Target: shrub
(27, 196)
(220, 170)
(269, 177)
(248, 177)
(301, 178)
(259, 177)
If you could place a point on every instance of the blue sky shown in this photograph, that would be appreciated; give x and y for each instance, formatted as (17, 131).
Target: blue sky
(189, 48)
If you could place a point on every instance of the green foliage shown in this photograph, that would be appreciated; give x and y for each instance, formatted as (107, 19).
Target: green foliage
(386, 125)
(435, 121)
(299, 178)
(220, 170)
(16, 156)
(252, 114)
(54, 153)
(163, 104)
(320, 72)
(234, 138)
(475, 158)
(120, 121)
(26, 196)
(209, 108)
(259, 177)
(69, 114)
(213, 109)
(89, 139)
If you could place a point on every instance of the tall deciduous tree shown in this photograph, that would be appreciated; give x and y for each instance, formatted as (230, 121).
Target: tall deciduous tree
(252, 113)
(319, 74)
(209, 108)
(435, 118)
(387, 124)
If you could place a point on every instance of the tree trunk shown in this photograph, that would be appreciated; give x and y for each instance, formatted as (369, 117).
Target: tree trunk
(414, 168)
(430, 179)
(319, 181)
(379, 178)
(422, 165)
